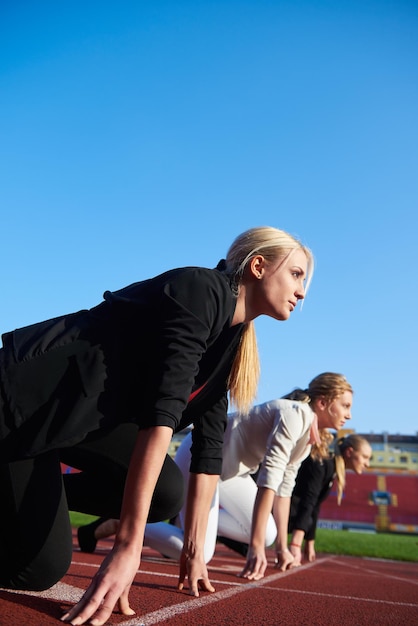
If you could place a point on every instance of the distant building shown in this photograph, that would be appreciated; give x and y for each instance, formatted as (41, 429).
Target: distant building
(391, 452)
(394, 452)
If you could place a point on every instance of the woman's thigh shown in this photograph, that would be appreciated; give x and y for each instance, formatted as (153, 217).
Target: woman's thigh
(236, 503)
(103, 459)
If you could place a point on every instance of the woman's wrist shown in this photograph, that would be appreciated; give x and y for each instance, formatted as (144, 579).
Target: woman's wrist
(296, 545)
(193, 548)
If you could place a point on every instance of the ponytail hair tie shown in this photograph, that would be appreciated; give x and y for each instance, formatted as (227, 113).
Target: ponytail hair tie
(340, 445)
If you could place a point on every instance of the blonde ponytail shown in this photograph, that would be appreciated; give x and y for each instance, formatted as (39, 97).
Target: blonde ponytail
(320, 451)
(340, 476)
(245, 373)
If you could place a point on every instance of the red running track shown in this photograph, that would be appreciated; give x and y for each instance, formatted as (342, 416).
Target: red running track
(339, 590)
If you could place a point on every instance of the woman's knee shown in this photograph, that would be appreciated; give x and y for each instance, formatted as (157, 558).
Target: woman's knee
(35, 531)
(44, 571)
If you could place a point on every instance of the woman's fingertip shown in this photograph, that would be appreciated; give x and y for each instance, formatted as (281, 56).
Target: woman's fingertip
(128, 611)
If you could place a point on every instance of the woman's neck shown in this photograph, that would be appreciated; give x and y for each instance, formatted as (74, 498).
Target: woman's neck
(241, 314)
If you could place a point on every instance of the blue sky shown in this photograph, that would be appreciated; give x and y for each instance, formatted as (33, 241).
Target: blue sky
(140, 136)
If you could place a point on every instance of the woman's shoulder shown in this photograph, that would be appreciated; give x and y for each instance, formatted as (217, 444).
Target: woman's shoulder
(178, 280)
(199, 277)
(189, 286)
(288, 406)
(282, 410)
(294, 416)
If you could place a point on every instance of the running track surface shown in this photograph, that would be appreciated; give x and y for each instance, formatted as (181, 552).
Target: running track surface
(337, 590)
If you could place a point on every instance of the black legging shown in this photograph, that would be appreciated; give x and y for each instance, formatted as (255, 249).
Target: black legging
(35, 532)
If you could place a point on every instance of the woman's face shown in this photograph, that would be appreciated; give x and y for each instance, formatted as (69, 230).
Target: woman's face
(358, 460)
(340, 410)
(334, 414)
(279, 285)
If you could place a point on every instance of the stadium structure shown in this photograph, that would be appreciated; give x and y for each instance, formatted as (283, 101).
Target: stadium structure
(385, 497)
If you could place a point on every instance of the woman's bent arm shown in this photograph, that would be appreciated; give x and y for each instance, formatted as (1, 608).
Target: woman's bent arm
(256, 563)
(199, 498)
(281, 512)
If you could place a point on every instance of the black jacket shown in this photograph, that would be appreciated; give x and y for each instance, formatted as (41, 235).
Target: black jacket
(313, 484)
(137, 357)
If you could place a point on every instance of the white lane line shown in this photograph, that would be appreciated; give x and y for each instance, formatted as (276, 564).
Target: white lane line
(195, 603)
(155, 617)
(61, 592)
(380, 574)
(342, 597)
(217, 570)
(68, 593)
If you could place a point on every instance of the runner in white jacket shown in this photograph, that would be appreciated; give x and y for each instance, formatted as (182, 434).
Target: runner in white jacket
(273, 438)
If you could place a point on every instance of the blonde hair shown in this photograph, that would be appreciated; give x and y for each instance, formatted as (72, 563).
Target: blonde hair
(328, 385)
(320, 450)
(341, 445)
(272, 243)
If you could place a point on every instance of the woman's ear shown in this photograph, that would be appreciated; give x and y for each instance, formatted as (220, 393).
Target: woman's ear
(348, 458)
(348, 452)
(321, 402)
(257, 266)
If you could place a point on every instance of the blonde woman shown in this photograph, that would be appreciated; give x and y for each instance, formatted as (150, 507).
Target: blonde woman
(314, 481)
(326, 403)
(160, 354)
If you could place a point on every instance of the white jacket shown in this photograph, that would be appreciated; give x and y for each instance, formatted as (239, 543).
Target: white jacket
(275, 434)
